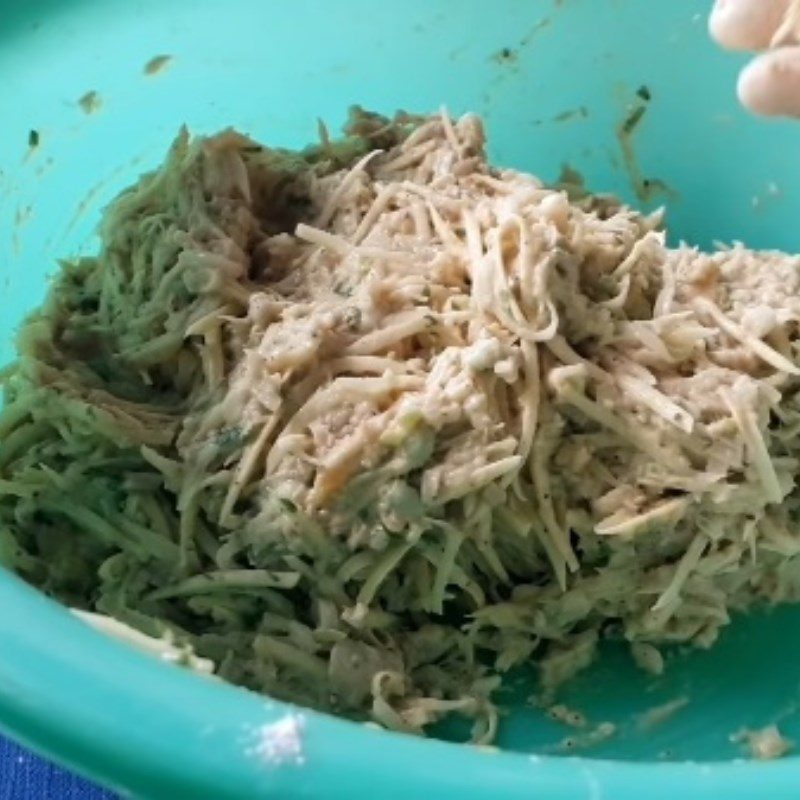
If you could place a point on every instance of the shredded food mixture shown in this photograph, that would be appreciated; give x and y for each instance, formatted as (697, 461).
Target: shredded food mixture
(372, 424)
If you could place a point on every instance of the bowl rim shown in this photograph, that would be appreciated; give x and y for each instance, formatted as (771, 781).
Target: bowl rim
(152, 730)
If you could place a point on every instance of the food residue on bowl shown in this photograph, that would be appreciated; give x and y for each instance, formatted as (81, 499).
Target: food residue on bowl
(568, 716)
(164, 646)
(764, 743)
(658, 715)
(157, 64)
(595, 736)
(647, 657)
(90, 102)
(646, 188)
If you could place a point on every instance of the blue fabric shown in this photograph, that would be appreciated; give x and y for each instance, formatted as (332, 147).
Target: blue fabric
(24, 776)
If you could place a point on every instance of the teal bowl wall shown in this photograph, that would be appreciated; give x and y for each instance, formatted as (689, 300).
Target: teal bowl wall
(554, 80)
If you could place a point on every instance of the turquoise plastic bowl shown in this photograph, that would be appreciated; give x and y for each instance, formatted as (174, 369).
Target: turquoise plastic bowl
(554, 80)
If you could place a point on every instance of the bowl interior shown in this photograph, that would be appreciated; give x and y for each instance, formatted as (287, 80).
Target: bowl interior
(555, 80)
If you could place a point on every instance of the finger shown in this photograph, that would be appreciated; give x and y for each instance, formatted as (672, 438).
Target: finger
(770, 84)
(746, 24)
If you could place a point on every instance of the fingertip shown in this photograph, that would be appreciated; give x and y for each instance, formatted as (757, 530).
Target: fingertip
(770, 84)
(746, 24)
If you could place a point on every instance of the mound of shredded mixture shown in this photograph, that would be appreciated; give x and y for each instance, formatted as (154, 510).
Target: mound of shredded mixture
(372, 424)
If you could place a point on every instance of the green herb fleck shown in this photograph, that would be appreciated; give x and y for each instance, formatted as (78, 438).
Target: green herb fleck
(90, 102)
(157, 64)
(632, 120)
(505, 55)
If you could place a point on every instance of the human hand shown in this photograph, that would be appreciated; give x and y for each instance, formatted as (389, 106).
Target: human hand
(770, 84)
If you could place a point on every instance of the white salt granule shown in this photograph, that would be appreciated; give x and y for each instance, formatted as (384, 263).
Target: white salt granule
(281, 742)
